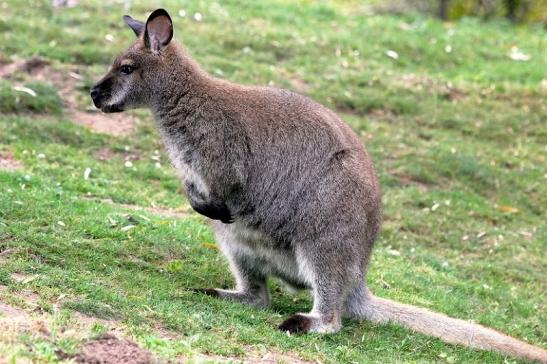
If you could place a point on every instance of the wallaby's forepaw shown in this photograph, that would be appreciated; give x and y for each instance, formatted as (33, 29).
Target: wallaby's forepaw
(297, 323)
(228, 219)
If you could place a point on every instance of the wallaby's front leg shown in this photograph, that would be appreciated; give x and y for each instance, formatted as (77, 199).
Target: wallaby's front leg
(209, 206)
(250, 281)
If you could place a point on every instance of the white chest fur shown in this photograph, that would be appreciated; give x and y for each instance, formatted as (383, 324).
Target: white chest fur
(188, 173)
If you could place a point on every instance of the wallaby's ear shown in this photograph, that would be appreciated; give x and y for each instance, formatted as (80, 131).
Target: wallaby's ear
(158, 31)
(135, 25)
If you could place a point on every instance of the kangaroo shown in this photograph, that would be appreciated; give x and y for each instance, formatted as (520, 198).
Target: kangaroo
(288, 187)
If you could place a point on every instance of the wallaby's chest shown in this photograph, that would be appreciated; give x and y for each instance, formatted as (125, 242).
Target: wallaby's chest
(203, 197)
(188, 170)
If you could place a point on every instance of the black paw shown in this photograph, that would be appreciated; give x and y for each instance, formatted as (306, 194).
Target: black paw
(207, 291)
(296, 324)
(227, 219)
(214, 211)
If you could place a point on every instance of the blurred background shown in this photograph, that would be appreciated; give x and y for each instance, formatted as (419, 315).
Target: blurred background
(517, 11)
(96, 236)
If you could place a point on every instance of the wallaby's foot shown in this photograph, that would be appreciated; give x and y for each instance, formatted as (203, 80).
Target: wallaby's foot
(243, 297)
(303, 323)
(295, 324)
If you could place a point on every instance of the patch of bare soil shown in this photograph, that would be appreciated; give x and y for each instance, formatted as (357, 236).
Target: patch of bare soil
(104, 154)
(9, 163)
(112, 124)
(14, 320)
(67, 84)
(26, 65)
(11, 313)
(108, 349)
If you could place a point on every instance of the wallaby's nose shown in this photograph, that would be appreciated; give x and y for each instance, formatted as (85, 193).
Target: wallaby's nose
(94, 93)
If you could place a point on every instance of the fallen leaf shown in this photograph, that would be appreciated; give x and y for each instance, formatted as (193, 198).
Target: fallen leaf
(210, 246)
(392, 54)
(516, 55)
(27, 90)
(393, 252)
(128, 227)
(29, 279)
(508, 209)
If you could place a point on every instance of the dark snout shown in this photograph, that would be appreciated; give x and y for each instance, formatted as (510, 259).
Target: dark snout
(101, 93)
(95, 92)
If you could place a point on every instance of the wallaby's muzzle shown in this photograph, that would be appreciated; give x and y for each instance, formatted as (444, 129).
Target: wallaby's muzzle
(101, 93)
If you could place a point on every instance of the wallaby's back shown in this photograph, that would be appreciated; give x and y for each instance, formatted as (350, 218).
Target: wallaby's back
(296, 150)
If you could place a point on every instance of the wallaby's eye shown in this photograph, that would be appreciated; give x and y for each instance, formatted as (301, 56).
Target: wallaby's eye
(126, 69)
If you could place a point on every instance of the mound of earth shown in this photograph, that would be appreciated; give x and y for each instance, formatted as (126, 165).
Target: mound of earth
(108, 349)
(8, 162)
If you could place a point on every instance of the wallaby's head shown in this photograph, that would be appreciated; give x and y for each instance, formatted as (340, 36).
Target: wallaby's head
(136, 74)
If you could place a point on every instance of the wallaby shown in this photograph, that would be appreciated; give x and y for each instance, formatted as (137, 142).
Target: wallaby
(289, 188)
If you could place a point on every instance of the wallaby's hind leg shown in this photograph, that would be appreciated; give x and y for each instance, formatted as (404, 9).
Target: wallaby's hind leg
(325, 317)
(250, 281)
(328, 280)
(355, 304)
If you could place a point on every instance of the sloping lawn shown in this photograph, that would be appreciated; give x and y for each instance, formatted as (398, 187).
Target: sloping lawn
(95, 226)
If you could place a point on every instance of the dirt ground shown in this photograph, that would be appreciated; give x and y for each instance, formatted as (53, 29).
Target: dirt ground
(108, 349)
(114, 347)
(8, 162)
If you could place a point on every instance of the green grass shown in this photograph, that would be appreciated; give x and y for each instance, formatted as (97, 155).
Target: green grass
(458, 139)
(29, 98)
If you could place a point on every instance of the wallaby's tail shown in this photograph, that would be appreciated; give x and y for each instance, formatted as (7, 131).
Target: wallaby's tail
(451, 330)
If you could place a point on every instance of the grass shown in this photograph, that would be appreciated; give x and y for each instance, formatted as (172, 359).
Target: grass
(458, 138)
(34, 97)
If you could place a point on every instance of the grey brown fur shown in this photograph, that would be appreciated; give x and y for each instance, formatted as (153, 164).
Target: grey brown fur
(289, 188)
